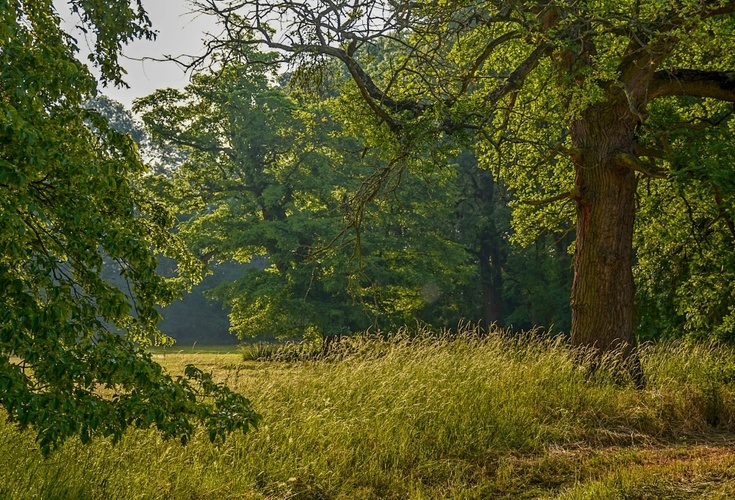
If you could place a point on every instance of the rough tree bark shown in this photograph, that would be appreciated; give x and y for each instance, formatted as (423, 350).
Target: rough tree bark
(603, 290)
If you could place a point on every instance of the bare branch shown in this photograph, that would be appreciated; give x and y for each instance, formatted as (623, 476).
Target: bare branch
(306, 30)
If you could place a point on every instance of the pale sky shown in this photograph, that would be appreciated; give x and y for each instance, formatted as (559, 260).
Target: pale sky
(179, 32)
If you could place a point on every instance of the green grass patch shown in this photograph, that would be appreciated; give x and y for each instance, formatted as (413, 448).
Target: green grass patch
(455, 417)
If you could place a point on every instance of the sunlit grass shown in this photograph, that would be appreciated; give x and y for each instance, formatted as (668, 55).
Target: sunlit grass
(195, 349)
(459, 417)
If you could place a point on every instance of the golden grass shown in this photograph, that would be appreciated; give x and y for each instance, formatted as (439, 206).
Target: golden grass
(463, 417)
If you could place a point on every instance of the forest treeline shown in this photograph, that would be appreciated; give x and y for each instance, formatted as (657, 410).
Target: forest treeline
(266, 175)
(268, 172)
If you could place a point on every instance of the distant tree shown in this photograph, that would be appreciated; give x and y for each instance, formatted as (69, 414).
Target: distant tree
(256, 187)
(538, 279)
(160, 158)
(192, 318)
(118, 117)
(270, 176)
(70, 198)
(468, 206)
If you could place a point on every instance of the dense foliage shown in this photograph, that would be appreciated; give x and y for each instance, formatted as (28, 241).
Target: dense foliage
(70, 199)
(685, 231)
(266, 181)
(369, 187)
(274, 178)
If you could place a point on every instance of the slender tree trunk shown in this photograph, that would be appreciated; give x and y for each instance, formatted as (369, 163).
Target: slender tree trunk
(490, 254)
(488, 245)
(603, 289)
(492, 283)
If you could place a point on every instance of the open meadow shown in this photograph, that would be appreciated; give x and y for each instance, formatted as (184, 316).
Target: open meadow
(464, 417)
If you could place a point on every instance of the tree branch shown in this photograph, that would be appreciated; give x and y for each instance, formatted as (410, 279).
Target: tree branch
(728, 8)
(518, 76)
(635, 164)
(722, 212)
(573, 194)
(489, 49)
(693, 83)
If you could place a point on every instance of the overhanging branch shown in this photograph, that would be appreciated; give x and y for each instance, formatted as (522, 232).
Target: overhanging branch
(693, 83)
(518, 76)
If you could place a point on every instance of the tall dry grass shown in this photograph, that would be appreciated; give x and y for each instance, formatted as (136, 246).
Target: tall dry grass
(414, 416)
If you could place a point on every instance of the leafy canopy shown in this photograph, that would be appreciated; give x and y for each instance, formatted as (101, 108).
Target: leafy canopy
(267, 181)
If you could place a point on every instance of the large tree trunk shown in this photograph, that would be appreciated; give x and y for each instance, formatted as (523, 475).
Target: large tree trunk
(603, 289)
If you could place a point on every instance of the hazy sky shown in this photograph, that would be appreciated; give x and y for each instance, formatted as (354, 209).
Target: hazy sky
(179, 32)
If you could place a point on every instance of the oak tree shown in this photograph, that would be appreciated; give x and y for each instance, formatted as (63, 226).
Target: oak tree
(563, 88)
